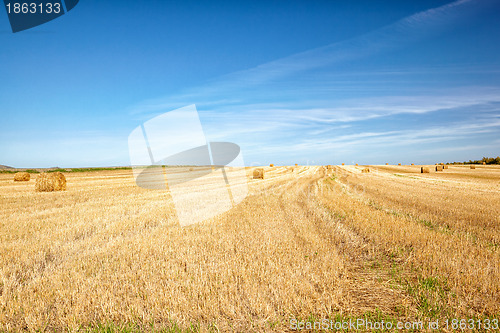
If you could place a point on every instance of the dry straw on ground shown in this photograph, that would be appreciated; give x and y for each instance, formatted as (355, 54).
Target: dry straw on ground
(300, 245)
(21, 177)
(424, 170)
(258, 173)
(439, 168)
(365, 170)
(50, 182)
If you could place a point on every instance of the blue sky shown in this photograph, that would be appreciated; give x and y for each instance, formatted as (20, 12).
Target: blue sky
(309, 82)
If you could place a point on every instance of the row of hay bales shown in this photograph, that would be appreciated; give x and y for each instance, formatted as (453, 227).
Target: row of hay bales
(272, 165)
(45, 182)
(258, 173)
(446, 167)
(438, 168)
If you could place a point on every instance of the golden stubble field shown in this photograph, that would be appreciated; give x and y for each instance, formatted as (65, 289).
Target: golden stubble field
(306, 244)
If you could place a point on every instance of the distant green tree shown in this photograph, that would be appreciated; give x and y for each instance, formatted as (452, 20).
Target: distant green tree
(487, 160)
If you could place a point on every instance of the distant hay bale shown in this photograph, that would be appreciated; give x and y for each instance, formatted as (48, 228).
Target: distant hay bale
(439, 168)
(484, 163)
(387, 164)
(445, 167)
(424, 170)
(191, 169)
(50, 182)
(21, 177)
(413, 164)
(296, 164)
(271, 165)
(258, 173)
(399, 164)
(365, 170)
(342, 163)
(472, 166)
(356, 164)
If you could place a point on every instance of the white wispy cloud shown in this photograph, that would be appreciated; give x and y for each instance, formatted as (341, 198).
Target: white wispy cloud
(308, 102)
(387, 139)
(404, 32)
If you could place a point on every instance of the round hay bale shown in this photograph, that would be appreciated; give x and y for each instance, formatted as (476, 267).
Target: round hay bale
(342, 163)
(399, 164)
(413, 164)
(356, 164)
(21, 177)
(296, 164)
(365, 170)
(439, 168)
(484, 163)
(258, 173)
(472, 166)
(44, 183)
(60, 181)
(424, 170)
(445, 167)
(271, 165)
(387, 164)
(50, 182)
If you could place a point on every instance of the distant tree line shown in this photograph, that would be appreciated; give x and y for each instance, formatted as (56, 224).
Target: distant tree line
(487, 160)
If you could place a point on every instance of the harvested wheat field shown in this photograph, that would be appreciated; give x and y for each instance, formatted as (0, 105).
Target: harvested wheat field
(391, 244)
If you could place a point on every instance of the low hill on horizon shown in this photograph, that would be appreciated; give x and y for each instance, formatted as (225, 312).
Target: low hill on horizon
(5, 167)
